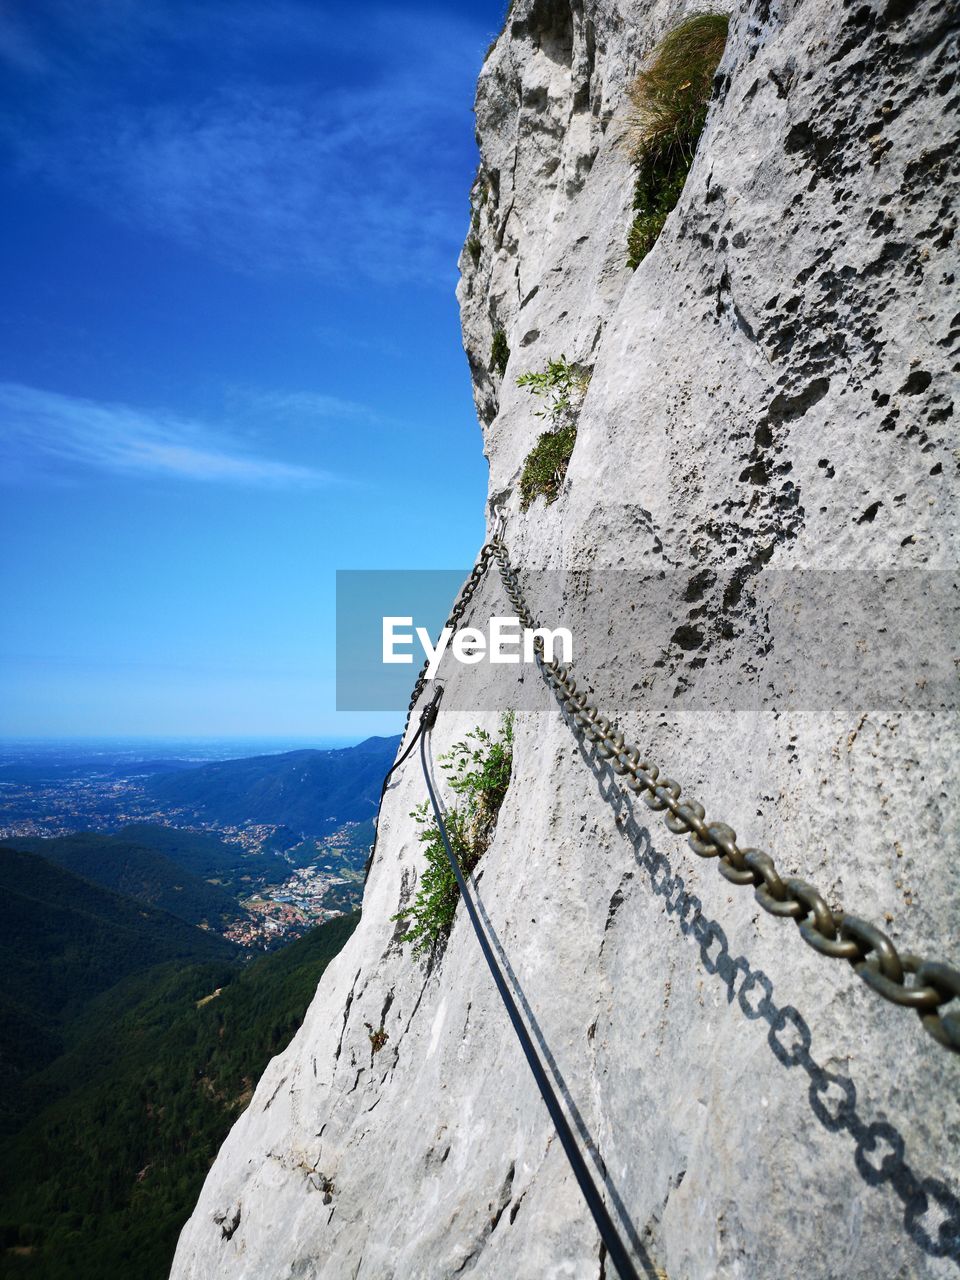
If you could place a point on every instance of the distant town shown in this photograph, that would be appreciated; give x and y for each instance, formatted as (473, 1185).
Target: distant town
(289, 882)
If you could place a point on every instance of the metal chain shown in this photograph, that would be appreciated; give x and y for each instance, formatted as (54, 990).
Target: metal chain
(463, 599)
(459, 609)
(873, 956)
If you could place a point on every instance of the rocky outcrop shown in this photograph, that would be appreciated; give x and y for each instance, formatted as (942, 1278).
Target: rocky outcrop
(771, 392)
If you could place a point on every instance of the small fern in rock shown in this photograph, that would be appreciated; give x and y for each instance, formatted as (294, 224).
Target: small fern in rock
(670, 98)
(562, 384)
(478, 771)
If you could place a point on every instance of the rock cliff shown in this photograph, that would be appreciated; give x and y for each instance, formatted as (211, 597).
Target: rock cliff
(771, 392)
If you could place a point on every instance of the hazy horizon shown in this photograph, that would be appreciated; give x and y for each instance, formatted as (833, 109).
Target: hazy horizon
(197, 747)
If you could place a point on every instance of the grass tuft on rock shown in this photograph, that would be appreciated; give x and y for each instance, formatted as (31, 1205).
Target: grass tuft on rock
(670, 97)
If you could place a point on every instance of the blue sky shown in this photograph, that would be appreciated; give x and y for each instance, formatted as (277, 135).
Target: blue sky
(230, 359)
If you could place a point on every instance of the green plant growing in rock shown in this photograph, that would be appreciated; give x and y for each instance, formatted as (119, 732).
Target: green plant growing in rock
(562, 386)
(478, 770)
(670, 98)
(499, 352)
(378, 1037)
(474, 248)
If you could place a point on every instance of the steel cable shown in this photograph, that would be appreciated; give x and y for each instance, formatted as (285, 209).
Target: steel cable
(616, 1248)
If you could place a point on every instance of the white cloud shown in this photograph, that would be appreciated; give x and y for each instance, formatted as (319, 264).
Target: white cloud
(48, 433)
(298, 406)
(326, 187)
(264, 411)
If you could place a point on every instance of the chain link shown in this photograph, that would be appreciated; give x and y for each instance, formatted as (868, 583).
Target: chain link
(459, 609)
(835, 934)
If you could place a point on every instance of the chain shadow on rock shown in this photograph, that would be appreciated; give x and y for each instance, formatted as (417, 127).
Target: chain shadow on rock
(879, 1147)
(640, 1253)
(573, 1112)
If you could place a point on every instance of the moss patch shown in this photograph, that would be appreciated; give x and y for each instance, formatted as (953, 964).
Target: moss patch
(499, 352)
(546, 466)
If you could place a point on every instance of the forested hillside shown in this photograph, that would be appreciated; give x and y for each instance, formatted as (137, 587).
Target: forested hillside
(64, 942)
(138, 872)
(98, 1184)
(205, 854)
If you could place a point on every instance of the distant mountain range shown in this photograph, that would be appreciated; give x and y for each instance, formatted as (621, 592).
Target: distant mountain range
(311, 792)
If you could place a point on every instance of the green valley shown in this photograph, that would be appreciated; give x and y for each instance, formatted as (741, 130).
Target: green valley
(151, 1075)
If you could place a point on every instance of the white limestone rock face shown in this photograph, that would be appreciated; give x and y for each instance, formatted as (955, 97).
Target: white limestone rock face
(772, 391)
